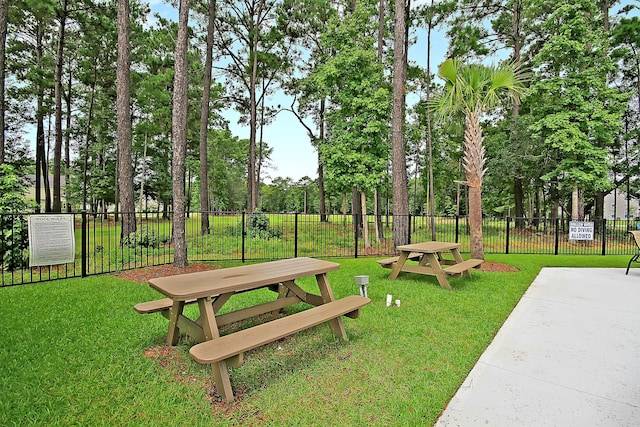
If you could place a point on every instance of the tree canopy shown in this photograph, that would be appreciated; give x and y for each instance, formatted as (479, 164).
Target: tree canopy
(557, 151)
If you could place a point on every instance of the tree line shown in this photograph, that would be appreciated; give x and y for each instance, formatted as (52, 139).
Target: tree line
(127, 105)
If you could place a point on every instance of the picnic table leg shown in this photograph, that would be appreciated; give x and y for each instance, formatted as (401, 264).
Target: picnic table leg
(438, 271)
(217, 302)
(220, 370)
(174, 315)
(424, 260)
(458, 258)
(397, 267)
(327, 296)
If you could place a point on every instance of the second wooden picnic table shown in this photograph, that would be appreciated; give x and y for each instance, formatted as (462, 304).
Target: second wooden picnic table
(430, 261)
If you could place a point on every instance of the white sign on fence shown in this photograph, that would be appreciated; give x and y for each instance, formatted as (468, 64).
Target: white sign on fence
(579, 230)
(51, 239)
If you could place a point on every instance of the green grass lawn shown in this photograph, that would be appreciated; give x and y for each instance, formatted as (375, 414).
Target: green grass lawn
(74, 352)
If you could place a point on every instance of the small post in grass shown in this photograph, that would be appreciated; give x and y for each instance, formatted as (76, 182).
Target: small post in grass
(362, 281)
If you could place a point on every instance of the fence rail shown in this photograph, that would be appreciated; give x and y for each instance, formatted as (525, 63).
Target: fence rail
(240, 236)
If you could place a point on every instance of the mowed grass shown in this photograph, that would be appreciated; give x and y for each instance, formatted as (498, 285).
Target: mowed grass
(74, 352)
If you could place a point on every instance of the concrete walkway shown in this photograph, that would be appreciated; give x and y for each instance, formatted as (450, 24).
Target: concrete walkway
(568, 355)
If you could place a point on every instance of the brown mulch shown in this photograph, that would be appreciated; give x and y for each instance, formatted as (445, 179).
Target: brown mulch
(497, 267)
(143, 275)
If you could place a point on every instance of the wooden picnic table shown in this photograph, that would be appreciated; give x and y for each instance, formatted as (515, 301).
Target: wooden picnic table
(431, 261)
(210, 290)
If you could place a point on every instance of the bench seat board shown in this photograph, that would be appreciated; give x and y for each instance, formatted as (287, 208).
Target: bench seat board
(233, 344)
(463, 266)
(387, 262)
(157, 305)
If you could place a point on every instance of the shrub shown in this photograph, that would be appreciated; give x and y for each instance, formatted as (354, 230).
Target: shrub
(14, 232)
(144, 237)
(258, 226)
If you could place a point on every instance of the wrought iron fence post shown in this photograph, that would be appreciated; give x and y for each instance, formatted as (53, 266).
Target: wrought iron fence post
(83, 251)
(243, 233)
(557, 242)
(457, 227)
(604, 236)
(295, 236)
(508, 228)
(409, 230)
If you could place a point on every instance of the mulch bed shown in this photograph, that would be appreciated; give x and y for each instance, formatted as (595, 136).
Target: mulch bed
(143, 275)
(497, 267)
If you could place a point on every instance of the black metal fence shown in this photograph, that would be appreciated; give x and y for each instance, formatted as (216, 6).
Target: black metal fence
(240, 236)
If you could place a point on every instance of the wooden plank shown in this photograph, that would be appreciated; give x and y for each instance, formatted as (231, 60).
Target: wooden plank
(408, 268)
(414, 256)
(463, 266)
(387, 261)
(174, 315)
(233, 344)
(157, 305)
(246, 313)
(238, 279)
(327, 296)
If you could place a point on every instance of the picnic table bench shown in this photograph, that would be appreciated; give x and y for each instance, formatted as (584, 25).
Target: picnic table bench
(431, 261)
(212, 289)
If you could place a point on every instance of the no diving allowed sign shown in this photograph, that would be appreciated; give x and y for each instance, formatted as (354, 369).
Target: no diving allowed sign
(579, 230)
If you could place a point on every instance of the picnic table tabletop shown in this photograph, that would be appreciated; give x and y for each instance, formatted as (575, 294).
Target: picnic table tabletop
(429, 247)
(236, 279)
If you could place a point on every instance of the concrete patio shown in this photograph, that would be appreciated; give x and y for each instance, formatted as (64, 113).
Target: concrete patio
(568, 355)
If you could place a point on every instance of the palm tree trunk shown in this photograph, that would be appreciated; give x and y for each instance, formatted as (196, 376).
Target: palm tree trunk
(474, 167)
(475, 222)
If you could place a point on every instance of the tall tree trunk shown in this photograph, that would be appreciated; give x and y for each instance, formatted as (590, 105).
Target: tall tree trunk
(365, 221)
(41, 161)
(67, 143)
(377, 210)
(321, 191)
(123, 101)
(141, 197)
(380, 28)
(378, 213)
(42, 174)
(432, 200)
(179, 119)
(475, 222)
(474, 162)
(260, 148)
(399, 161)
(116, 186)
(204, 123)
(575, 203)
(88, 136)
(356, 212)
(599, 202)
(252, 191)
(57, 150)
(518, 190)
(599, 197)
(4, 12)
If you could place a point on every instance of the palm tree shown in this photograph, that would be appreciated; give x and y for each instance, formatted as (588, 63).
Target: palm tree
(473, 90)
